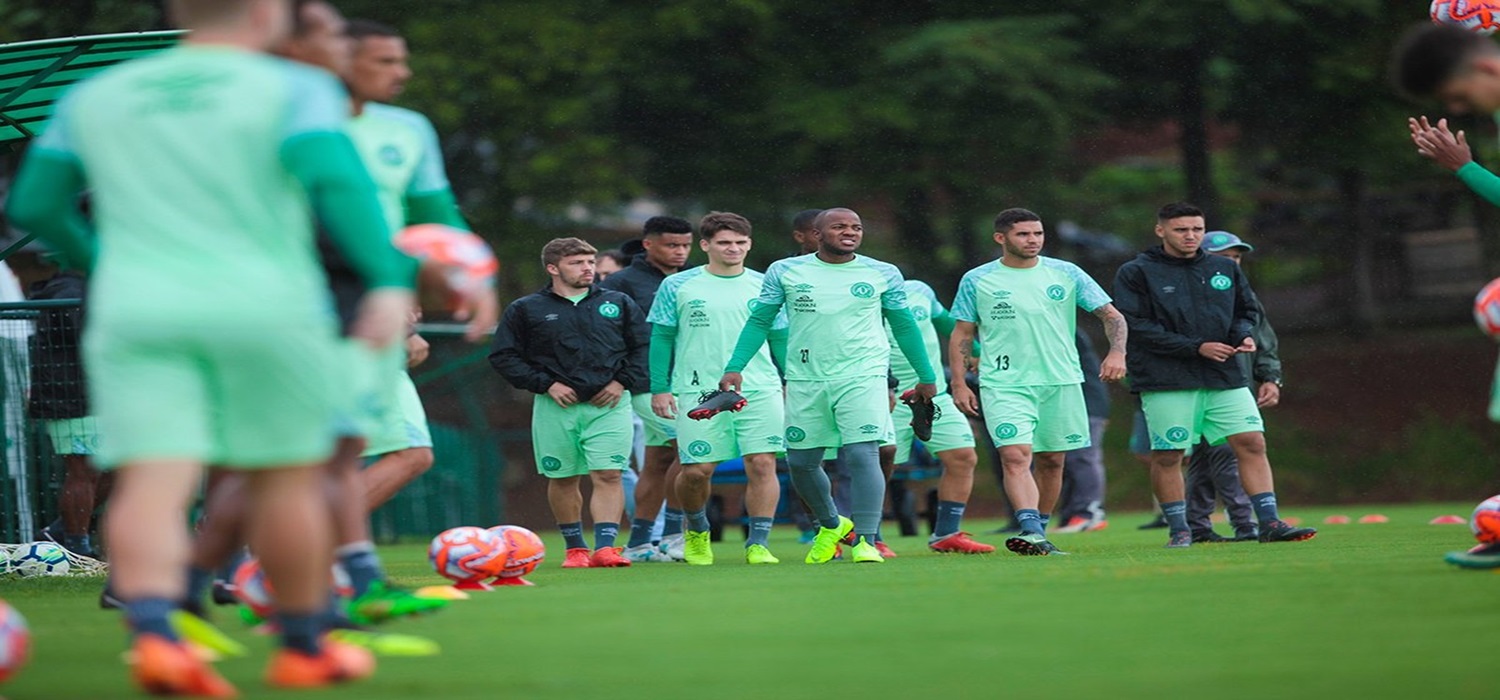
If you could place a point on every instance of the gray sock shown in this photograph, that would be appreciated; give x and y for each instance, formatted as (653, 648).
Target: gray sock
(760, 531)
(812, 484)
(867, 482)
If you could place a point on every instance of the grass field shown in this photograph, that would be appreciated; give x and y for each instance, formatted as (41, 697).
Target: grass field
(1366, 611)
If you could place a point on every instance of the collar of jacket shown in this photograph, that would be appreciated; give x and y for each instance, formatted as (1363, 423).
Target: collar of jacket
(1159, 254)
(547, 291)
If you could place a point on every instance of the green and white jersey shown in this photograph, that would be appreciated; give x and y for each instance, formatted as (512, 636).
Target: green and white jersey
(1026, 320)
(924, 307)
(835, 330)
(182, 151)
(400, 148)
(708, 312)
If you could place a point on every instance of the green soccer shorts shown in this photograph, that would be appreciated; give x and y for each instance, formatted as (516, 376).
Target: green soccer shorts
(402, 421)
(74, 436)
(1177, 419)
(241, 395)
(362, 408)
(757, 428)
(1049, 418)
(1495, 396)
(581, 438)
(837, 413)
(660, 432)
(950, 431)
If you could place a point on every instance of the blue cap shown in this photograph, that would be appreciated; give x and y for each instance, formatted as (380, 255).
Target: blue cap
(1217, 241)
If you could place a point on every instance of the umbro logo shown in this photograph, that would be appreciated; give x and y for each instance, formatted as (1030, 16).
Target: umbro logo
(1168, 289)
(551, 317)
(1074, 439)
(802, 288)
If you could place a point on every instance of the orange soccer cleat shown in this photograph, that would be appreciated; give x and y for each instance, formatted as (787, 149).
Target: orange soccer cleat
(163, 667)
(577, 558)
(960, 543)
(338, 663)
(608, 557)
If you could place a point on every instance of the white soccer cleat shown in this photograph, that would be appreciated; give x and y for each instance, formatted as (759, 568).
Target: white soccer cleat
(645, 553)
(673, 545)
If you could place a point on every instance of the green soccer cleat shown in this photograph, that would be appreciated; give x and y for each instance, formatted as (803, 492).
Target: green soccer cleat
(826, 542)
(697, 549)
(387, 644)
(865, 553)
(203, 633)
(1484, 556)
(758, 554)
(384, 602)
(1031, 544)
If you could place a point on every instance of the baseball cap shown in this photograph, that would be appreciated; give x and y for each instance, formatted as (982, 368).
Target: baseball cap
(1216, 241)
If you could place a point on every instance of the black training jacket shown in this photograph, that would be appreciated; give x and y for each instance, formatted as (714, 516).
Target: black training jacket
(640, 280)
(544, 338)
(57, 382)
(1174, 305)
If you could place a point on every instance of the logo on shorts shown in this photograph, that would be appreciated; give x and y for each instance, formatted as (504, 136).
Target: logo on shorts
(1220, 282)
(1252, 420)
(751, 304)
(863, 290)
(869, 429)
(920, 313)
(774, 440)
(390, 155)
(621, 460)
(609, 310)
(1006, 431)
(795, 434)
(1074, 439)
(700, 448)
(1177, 434)
(551, 464)
(1057, 293)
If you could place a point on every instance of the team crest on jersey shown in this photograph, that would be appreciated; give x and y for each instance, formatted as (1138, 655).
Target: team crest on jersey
(1057, 293)
(863, 290)
(551, 464)
(390, 155)
(700, 448)
(1006, 431)
(795, 434)
(1177, 434)
(609, 310)
(1220, 282)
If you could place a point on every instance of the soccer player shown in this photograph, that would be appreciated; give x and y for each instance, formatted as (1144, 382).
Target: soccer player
(236, 143)
(1212, 470)
(1189, 314)
(1081, 504)
(1022, 307)
(695, 320)
(666, 241)
(837, 363)
(608, 262)
(577, 347)
(951, 439)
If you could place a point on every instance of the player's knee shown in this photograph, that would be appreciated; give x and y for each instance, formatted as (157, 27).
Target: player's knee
(1249, 444)
(960, 461)
(421, 459)
(606, 477)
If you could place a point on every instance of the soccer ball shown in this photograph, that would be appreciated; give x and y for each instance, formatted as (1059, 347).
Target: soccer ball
(524, 550)
(463, 259)
(253, 589)
(1486, 521)
(1479, 16)
(15, 641)
(467, 554)
(39, 559)
(1487, 309)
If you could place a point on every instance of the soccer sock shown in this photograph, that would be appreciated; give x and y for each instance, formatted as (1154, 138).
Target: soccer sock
(1046, 519)
(949, 515)
(149, 616)
(640, 532)
(867, 487)
(605, 534)
(301, 632)
(673, 525)
(697, 520)
(1176, 514)
(360, 562)
(1031, 521)
(760, 531)
(573, 535)
(198, 581)
(1265, 507)
(77, 543)
(812, 484)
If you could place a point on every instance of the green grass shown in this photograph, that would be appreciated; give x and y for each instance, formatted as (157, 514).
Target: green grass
(1365, 611)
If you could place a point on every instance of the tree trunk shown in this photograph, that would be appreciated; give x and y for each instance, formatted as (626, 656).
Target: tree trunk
(1192, 121)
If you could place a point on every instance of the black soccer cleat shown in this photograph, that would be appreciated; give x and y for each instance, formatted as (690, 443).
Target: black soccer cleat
(1279, 531)
(923, 413)
(712, 403)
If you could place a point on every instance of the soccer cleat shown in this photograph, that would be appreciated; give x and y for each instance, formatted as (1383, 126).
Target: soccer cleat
(712, 403)
(201, 632)
(338, 662)
(577, 558)
(385, 643)
(1280, 531)
(1031, 544)
(959, 543)
(1082, 523)
(697, 549)
(1248, 534)
(163, 667)
(646, 553)
(1209, 537)
(923, 414)
(673, 546)
(607, 557)
(223, 593)
(384, 602)
(108, 601)
(1050, 549)
(1484, 556)
(827, 541)
(1180, 540)
(759, 554)
(1157, 523)
(885, 551)
(865, 553)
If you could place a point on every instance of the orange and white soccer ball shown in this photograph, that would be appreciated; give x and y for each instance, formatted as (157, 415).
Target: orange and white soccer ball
(253, 589)
(467, 554)
(463, 259)
(15, 641)
(1486, 521)
(1487, 309)
(1478, 16)
(524, 550)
